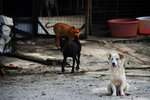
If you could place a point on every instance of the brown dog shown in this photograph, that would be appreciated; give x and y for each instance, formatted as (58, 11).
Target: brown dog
(62, 29)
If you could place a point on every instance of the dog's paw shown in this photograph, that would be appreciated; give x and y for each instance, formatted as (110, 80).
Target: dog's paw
(114, 94)
(77, 68)
(77, 71)
(122, 94)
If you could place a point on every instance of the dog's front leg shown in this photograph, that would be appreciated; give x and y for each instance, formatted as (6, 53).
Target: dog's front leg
(126, 88)
(73, 65)
(122, 87)
(78, 62)
(63, 63)
(113, 89)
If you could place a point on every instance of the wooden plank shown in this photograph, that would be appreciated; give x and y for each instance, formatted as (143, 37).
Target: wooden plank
(43, 27)
(10, 68)
(128, 51)
(127, 74)
(29, 58)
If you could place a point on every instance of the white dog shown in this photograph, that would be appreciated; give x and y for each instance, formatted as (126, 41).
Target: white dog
(118, 84)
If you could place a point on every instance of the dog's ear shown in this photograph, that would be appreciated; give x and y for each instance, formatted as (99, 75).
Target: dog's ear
(121, 56)
(63, 39)
(80, 29)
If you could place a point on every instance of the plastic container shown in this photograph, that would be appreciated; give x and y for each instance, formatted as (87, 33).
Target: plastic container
(123, 27)
(144, 25)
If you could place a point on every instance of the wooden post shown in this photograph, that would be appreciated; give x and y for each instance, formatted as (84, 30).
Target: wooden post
(87, 18)
(90, 19)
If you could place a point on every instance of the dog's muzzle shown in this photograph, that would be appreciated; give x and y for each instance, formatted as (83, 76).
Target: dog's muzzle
(113, 65)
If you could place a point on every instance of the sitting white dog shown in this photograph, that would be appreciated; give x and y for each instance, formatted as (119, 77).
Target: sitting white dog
(118, 83)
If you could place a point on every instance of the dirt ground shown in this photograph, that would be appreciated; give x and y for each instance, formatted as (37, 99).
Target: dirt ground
(35, 81)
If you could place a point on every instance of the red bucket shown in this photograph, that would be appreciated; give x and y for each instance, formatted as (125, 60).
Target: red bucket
(123, 27)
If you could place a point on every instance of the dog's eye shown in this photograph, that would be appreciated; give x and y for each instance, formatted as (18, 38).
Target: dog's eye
(117, 59)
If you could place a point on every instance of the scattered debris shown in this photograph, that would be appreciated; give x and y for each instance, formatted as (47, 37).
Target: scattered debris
(43, 93)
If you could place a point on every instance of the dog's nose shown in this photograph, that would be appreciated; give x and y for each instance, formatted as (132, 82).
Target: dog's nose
(113, 64)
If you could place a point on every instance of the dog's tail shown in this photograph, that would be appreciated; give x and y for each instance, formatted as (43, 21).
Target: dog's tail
(46, 25)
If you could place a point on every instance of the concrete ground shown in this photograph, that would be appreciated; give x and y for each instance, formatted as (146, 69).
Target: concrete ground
(36, 81)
